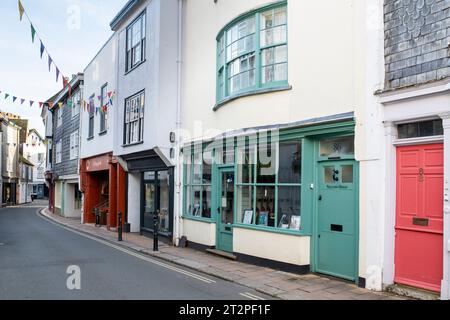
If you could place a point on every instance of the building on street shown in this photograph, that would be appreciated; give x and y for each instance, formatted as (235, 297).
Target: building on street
(145, 119)
(64, 175)
(103, 180)
(35, 151)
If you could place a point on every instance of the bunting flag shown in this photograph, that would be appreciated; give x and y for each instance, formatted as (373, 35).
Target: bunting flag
(42, 49)
(31, 103)
(6, 96)
(14, 99)
(22, 101)
(50, 61)
(40, 104)
(33, 33)
(21, 10)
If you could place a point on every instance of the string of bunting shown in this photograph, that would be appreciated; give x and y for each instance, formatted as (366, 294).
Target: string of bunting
(42, 48)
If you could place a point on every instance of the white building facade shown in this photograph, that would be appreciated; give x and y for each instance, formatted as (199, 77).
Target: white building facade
(146, 114)
(35, 151)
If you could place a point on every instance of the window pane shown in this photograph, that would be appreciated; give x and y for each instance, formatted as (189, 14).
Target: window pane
(267, 20)
(197, 167)
(289, 208)
(266, 170)
(273, 36)
(290, 162)
(207, 167)
(265, 206)
(245, 212)
(280, 72)
(246, 164)
(337, 147)
(347, 174)
(268, 74)
(329, 175)
(195, 208)
(280, 16)
(206, 205)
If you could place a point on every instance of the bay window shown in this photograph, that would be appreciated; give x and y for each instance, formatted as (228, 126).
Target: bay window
(252, 53)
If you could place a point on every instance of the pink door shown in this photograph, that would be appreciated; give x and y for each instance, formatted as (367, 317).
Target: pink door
(419, 225)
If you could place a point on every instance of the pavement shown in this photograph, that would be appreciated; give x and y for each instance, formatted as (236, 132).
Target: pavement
(265, 281)
(42, 260)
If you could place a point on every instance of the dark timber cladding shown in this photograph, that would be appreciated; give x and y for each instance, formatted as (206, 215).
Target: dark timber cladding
(417, 40)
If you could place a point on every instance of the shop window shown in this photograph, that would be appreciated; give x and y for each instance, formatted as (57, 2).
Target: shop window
(420, 129)
(273, 199)
(198, 190)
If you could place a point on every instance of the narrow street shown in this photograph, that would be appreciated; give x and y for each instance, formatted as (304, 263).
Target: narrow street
(35, 255)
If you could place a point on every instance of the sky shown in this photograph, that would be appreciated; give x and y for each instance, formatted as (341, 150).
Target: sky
(73, 31)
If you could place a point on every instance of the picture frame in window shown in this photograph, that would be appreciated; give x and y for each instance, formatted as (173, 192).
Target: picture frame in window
(284, 222)
(263, 219)
(196, 212)
(248, 217)
(295, 223)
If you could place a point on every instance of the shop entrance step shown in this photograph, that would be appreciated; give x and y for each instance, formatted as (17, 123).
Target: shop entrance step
(222, 254)
(411, 292)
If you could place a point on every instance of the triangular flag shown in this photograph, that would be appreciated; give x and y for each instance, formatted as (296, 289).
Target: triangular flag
(99, 98)
(31, 103)
(109, 94)
(111, 102)
(6, 96)
(14, 99)
(60, 104)
(57, 74)
(49, 63)
(40, 104)
(42, 49)
(70, 90)
(21, 10)
(33, 33)
(22, 101)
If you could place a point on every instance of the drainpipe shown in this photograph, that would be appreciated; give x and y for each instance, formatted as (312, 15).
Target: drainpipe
(178, 167)
(445, 287)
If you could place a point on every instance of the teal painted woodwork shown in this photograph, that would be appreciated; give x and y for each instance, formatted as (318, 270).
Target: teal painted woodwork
(337, 219)
(225, 202)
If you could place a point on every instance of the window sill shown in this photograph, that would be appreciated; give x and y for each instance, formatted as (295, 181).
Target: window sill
(300, 233)
(102, 133)
(135, 67)
(199, 219)
(132, 144)
(223, 102)
(90, 138)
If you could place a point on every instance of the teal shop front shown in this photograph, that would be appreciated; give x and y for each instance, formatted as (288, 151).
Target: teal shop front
(285, 198)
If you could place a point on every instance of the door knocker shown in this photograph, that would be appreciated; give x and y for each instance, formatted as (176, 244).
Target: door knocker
(421, 175)
(336, 175)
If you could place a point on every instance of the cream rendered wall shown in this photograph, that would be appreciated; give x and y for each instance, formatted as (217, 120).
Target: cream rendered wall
(200, 232)
(336, 63)
(273, 246)
(321, 52)
(134, 202)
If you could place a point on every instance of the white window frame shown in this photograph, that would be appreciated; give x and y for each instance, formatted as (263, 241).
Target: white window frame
(135, 52)
(59, 116)
(134, 118)
(58, 148)
(76, 103)
(74, 145)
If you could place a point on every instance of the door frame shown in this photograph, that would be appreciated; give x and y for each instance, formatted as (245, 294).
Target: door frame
(218, 171)
(315, 215)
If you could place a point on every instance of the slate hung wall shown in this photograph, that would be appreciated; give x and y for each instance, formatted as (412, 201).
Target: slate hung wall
(417, 38)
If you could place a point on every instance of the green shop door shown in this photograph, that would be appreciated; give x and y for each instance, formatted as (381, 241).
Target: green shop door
(336, 250)
(225, 217)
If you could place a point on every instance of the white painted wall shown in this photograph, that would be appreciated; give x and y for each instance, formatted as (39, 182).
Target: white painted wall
(100, 71)
(58, 194)
(134, 202)
(157, 75)
(273, 246)
(31, 150)
(69, 201)
(200, 232)
(432, 100)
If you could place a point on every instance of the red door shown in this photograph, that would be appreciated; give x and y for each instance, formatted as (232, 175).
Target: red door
(419, 225)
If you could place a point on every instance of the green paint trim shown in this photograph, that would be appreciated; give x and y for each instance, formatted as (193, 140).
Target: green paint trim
(199, 219)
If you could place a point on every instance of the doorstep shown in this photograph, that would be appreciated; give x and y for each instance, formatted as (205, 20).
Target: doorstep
(222, 254)
(412, 292)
